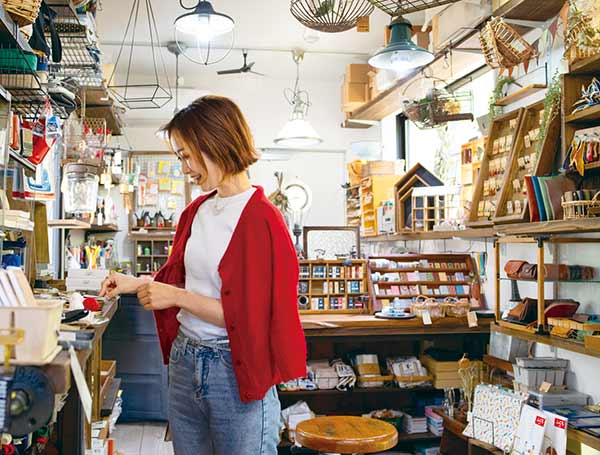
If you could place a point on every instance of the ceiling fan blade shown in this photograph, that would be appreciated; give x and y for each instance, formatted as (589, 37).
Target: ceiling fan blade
(257, 73)
(250, 65)
(223, 72)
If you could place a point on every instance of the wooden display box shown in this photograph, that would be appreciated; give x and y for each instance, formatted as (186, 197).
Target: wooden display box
(417, 176)
(512, 203)
(354, 95)
(431, 275)
(498, 153)
(330, 287)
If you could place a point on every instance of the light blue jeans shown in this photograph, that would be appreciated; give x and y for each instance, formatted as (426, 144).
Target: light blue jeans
(206, 414)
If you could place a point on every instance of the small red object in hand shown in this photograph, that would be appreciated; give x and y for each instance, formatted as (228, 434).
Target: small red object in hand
(91, 304)
(9, 449)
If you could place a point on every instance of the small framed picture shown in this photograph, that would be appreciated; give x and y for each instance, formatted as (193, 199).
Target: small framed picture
(518, 207)
(527, 141)
(521, 162)
(481, 209)
(517, 185)
(509, 208)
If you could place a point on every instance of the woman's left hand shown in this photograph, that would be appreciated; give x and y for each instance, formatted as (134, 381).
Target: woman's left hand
(158, 296)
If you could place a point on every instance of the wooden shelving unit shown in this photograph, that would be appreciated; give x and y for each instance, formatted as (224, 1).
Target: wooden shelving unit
(498, 153)
(154, 254)
(332, 287)
(373, 191)
(590, 114)
(353, 208)
(590, 65)
(525, 160)
(453, 273)
(521, 94)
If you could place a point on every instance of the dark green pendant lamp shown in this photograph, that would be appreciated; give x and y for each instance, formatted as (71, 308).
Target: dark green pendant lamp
(401, 54)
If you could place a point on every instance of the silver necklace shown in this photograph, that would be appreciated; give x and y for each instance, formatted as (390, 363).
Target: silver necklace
(218, 205)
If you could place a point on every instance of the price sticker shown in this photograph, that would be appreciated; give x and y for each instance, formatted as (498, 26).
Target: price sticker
(427, 318)
(472, 319)
(545, 387)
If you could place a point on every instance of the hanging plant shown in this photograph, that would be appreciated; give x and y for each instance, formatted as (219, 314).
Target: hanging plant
(551, 109)
(438, 108)
(496, 111)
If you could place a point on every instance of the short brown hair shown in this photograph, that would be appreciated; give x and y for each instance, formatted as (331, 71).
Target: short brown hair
(215, 126)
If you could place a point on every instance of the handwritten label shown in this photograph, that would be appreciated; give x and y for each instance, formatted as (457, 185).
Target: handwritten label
(427, 318)
(545, 387)
(472, 319)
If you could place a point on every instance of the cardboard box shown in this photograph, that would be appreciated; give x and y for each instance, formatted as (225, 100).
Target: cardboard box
(354, 95)
(357, 73)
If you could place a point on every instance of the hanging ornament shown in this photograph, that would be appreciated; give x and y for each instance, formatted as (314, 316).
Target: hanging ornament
(330, 16)
(503, 47)
(141, 89)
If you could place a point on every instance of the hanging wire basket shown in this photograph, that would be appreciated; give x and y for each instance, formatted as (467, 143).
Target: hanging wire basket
(439, 108)
(330, 16)
(502, 45)
(401, 7)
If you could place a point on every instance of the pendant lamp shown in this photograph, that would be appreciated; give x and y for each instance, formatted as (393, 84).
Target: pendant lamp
(204, 35)
(297, 132)
(401, 54)
(134, 86)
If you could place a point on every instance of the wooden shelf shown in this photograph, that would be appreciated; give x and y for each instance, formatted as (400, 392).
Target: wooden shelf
(103, 228)
(334, 325)
(590, 65)
(590, 114)
(480, 233)
(584, 438)
(68, 224)
(551, 227)
(500, 364)
(560, 343)
(592, 166)
(112, 393)
(355, 125)
(414, 296)
(530, 10)
(419, 269)
(356, 390)
(521, 94)
(425, 283)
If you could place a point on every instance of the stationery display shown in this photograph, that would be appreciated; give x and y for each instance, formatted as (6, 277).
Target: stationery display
(408, 372)
(530, 434)
(584, 150)
(331, 286)
(399, 283)
(495, 416)
(495, 163)
(533, 155)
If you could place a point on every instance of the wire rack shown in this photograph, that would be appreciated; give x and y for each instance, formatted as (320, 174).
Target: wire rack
(439, 108)
(401, 7)
(85, 77)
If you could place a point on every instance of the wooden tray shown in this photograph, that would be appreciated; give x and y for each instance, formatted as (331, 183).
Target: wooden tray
(498, 152)
(512, 203)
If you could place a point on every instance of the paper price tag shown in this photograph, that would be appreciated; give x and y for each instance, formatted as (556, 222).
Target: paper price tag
(472, 319)
(427, 318)
(545, 387)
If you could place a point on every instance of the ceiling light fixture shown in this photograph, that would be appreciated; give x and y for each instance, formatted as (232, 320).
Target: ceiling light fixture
(401, 54)
(297, 132)
(205, 31)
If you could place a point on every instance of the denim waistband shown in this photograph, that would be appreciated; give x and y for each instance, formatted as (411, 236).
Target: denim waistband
(221, 343)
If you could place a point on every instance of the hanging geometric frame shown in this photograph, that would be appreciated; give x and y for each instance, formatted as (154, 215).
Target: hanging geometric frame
(154, 91)
(330, 16)
(400, 7)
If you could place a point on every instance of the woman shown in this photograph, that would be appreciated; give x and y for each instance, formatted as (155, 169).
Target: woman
(225, 302)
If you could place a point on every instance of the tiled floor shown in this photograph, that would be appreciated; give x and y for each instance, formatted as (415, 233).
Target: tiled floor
(142, 439)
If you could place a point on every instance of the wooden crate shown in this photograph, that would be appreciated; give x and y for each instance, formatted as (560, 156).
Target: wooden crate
(498, 153)
(325, 286)
(512, 203)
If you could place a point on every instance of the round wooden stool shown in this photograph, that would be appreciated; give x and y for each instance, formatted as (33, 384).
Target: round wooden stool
(346, 435)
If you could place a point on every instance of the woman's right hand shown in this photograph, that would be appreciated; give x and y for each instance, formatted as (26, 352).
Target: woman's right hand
(117, 283)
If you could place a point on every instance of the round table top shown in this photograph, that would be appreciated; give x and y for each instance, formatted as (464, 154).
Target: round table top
(346, 434)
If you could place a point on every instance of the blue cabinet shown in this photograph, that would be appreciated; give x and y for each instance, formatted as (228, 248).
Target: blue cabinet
(132, 341)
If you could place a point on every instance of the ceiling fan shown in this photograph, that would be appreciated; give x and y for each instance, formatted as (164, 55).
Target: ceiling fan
(246, 68)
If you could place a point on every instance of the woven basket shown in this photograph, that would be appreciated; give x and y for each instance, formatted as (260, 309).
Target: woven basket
(502, 45)
(23, 12)
(456, 308)
(423, 304)
(582, 209)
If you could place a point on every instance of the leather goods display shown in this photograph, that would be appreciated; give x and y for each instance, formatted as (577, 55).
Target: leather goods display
(544, 196)
(522, 270)
(526, 310)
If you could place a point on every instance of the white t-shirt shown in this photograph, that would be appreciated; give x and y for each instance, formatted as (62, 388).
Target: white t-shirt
(212, 230)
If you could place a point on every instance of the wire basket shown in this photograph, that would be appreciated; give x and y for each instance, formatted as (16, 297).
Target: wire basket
(23, 12)
(401, 7)
(581, 209)
(502, 45)
(439, 108)
(330, 16)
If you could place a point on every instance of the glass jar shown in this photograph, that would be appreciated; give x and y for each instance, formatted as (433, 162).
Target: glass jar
(80, 188)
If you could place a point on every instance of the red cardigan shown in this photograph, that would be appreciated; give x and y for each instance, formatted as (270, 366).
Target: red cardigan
(259, 274)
